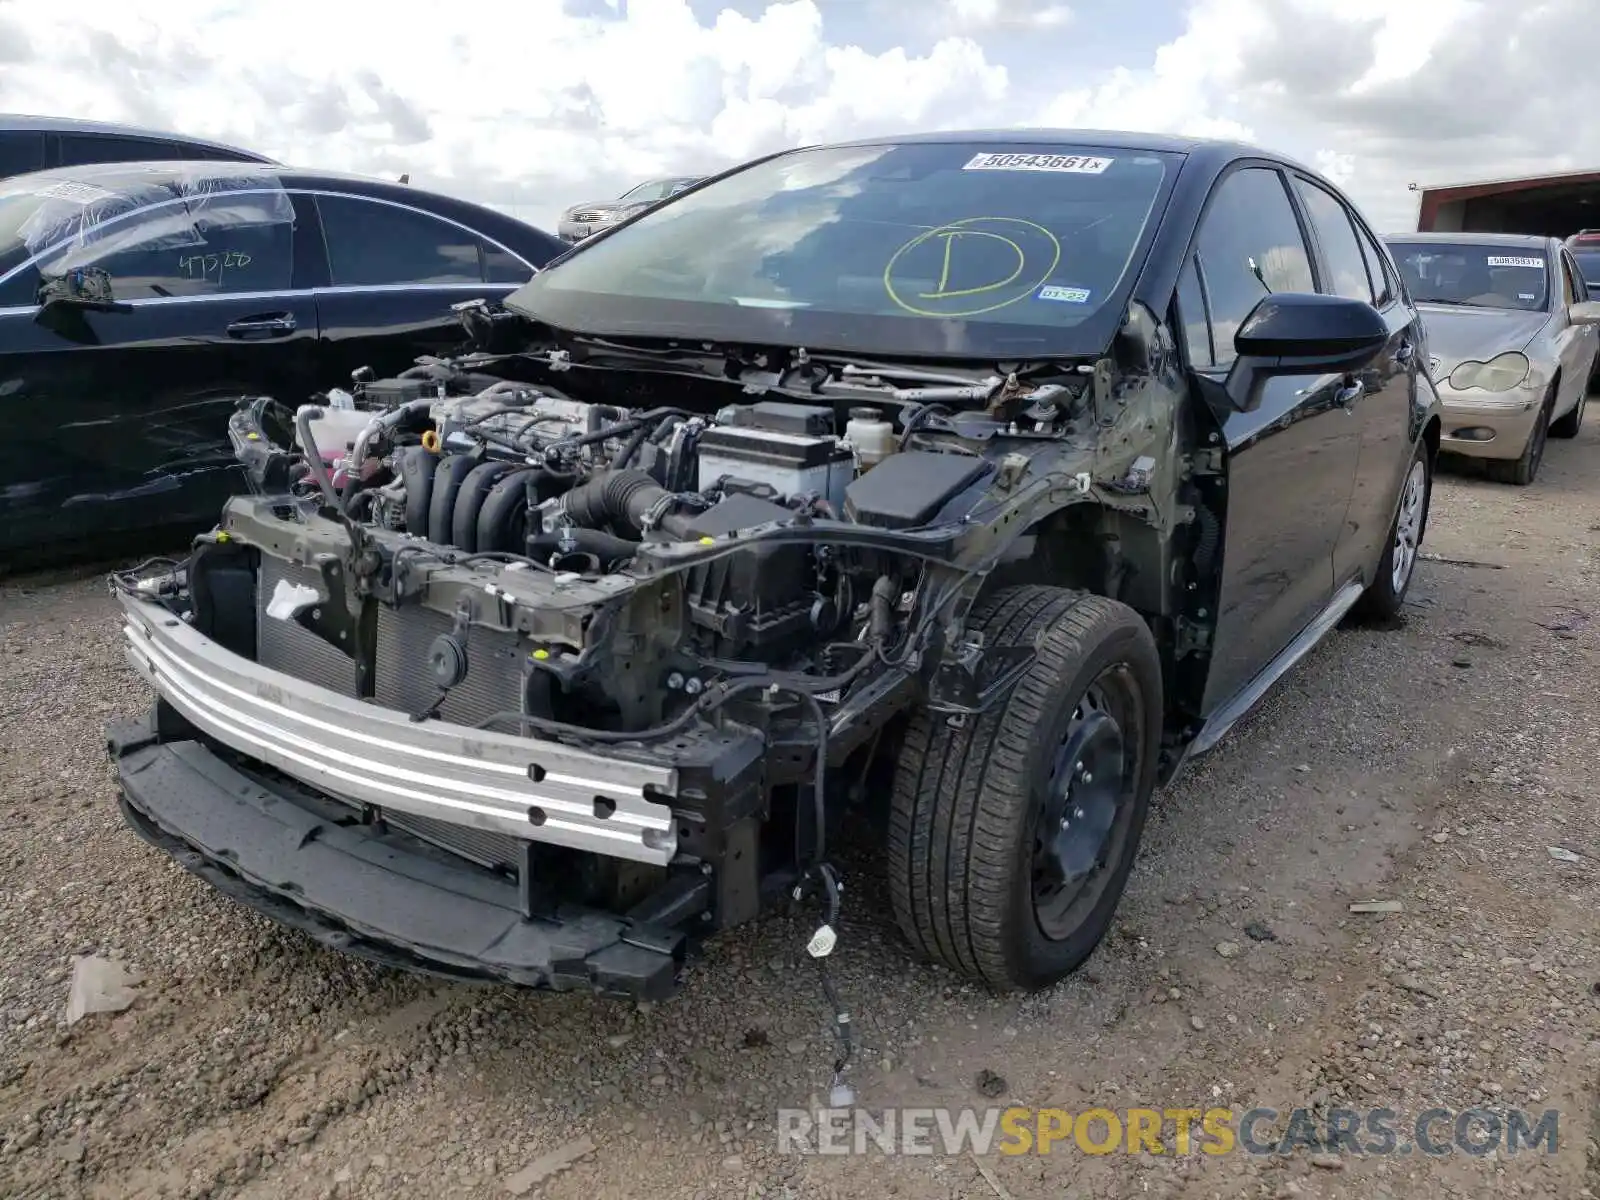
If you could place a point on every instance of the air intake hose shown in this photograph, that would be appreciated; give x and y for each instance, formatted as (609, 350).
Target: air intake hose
(605, 547)
(618, 499)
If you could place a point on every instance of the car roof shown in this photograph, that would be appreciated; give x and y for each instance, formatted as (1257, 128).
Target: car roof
(33, 123)
(138, 177)
(1093, 139)
(1478, 239)
(113, 176)
(1211, 155)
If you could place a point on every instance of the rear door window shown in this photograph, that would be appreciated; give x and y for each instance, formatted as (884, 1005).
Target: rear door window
(1383, 281)
(81, 149)
(372, 244)
(1580, 285)
(502, 266)
(1347, 266)
(1249, 247)
(21, 151)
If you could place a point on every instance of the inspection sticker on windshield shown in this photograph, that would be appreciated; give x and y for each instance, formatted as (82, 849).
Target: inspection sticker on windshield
(1069, 295)
(1072, 164)
(1496, 260)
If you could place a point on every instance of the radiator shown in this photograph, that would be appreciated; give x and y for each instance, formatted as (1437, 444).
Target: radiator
(401, 679)
(288, 646)
(493, 684)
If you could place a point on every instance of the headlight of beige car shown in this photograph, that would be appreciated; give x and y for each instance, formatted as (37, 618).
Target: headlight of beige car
(1499, 374)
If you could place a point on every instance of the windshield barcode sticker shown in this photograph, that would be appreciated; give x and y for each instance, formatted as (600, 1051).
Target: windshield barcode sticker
(1072, 164)
(1496, 260)
(1071, 295)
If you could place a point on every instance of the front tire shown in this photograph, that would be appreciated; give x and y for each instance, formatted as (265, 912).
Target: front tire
(1522, 471)
(1011, 837)
(1386, 594)
(1568, 426)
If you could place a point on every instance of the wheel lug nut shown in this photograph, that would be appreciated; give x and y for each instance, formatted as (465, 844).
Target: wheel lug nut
(1078, 812)
(1063, 822)
(1087, 777)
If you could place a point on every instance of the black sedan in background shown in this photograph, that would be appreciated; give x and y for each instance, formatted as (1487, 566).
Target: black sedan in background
(29, 143)
(138, 300)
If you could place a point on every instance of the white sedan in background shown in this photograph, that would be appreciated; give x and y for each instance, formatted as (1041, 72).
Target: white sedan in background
(1513, 337)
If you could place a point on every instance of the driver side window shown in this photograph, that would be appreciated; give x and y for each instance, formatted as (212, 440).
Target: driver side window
(1249, 246)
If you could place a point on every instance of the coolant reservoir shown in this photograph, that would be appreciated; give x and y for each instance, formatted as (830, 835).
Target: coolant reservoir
(870, 436)
(336, 431)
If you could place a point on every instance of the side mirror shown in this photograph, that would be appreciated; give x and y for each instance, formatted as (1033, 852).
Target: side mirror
(1302, 334)
(1586, 313)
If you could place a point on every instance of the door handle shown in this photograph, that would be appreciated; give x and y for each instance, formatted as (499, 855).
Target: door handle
(1405, 354)
(1346, 396)
(276, 325)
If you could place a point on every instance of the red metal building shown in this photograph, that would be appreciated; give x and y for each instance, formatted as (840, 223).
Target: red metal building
(1552, 205)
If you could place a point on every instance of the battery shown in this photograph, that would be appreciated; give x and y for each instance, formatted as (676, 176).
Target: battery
(791, 464)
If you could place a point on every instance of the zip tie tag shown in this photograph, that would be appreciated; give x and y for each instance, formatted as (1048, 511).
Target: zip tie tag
(822, 942)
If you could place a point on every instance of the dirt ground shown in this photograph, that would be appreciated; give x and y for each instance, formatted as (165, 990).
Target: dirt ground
(1436, 763)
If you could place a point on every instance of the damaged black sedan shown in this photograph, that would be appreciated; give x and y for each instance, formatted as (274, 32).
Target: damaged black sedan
(1010, 469)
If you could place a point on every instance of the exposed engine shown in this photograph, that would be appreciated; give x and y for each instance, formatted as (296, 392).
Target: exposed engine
(495, 468)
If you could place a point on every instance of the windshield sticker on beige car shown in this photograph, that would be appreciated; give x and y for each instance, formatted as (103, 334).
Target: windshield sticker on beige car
(1072, 164)
(1496, 260)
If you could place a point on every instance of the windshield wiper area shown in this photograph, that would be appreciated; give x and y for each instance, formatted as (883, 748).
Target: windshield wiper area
(795, 372)
(1463, 303)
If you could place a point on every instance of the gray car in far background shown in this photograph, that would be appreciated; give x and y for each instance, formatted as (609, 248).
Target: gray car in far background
(1512, 339)
(1585, 248)
(582, 220)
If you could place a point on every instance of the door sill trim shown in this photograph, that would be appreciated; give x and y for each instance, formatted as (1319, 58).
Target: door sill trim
(1229, 715)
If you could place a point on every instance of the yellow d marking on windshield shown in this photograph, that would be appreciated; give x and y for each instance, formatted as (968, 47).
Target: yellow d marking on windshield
(1026, 240)
(943, 291)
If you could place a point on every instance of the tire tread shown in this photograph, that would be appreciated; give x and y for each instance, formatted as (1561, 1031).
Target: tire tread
(960, 795)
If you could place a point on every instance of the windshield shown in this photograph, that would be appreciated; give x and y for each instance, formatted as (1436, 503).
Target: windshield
(947, 249)
(1475, 275)
(656, 189)
(1588, 264)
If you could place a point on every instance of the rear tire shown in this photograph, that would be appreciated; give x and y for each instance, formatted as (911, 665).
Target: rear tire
(1386, 594)
(1522, 471)
(1011, 837)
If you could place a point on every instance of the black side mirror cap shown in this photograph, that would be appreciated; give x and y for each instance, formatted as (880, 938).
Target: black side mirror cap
(1302, 334)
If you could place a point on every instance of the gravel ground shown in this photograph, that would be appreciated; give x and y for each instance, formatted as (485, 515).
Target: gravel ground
(1434, 763)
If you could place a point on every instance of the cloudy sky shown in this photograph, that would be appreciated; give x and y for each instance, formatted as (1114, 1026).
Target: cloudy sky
(536, 104)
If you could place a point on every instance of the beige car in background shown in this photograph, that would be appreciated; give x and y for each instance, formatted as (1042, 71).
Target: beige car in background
(1512, 337)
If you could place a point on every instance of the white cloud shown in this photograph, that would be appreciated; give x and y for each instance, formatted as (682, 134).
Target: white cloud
(554, 102)
(1002, 14)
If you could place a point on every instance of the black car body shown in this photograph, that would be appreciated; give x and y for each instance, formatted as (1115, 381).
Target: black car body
(30, 143)
(983, 477)
(224, 279)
